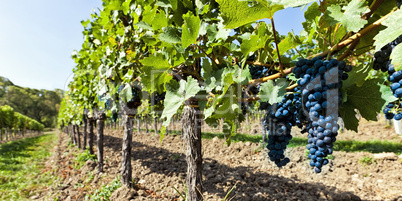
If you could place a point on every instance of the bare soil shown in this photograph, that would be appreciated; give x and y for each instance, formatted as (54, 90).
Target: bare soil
(158, 167)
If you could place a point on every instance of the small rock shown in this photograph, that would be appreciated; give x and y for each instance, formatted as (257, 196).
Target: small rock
(209, 176)
(400, 157)
(248, 143)
(141, 181)
(215, 139)
(123, 192)
(243, 153)
(257, 195)
(247, 174)
(219, 177)
(386, 156)
(263, 182)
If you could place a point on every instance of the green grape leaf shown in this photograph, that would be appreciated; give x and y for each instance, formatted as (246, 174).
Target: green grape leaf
(368, 98)
(310, 15)
(242, 76)
(157, 61)
(162, 133)
(149, 39)
(176, 94)
(387, 95)
(126, 93)
(348, 115)
(191, 28)
(351, 17)
(228, 129)
(222, 33)
(273, 94)
(85, 23)
(237, 13)
(396, 57)
(164, 3)
(227, 108)
(126, 6)
(154, 79)
(252, 44)
(291, 41)
(144, 25)
(212, 31)
(148, 14)
(160, 20)
(366, 42)
(393, 30)
(358, 75)
(170, 35)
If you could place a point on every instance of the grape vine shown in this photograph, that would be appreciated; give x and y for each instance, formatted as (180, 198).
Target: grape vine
(206, 57)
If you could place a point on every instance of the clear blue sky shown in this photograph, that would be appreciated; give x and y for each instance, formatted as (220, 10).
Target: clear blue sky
(37, 38)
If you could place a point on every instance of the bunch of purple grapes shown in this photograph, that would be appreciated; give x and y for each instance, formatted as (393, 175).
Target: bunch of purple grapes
(321, 81)
(278, 123)
(382, 61)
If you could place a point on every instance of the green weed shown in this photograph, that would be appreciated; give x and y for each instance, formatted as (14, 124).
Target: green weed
(373, 146)
(185, 192)
(366, 160)
(105, 192)
(90, 177)
(82, 158)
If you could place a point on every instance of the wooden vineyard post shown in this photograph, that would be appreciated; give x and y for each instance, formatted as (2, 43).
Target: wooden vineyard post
(156, 125)
(84, 143)
(146, 124)
(78, 136)
(100, 124)
(126, 169)
(74, 136)
(91, 135)
(138, 125)
(263, 131)
(191, 130)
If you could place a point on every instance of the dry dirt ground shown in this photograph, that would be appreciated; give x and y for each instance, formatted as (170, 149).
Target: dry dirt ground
(158, 167)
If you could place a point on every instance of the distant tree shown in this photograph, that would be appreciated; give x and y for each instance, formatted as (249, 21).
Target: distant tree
(41, 105)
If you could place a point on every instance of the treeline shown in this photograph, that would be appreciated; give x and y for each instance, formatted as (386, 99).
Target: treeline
(41, 105)
(13, 124)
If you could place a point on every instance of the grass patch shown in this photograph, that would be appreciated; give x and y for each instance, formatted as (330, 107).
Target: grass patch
(106, 191)
(21, 164)
(373, 146)
(366, 160)
(82, 158)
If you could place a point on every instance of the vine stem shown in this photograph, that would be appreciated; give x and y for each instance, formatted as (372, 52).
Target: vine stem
(358, 35)
(337, 47)
(349, 51)
(277, 47)
(212, 56)
(373, 8)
